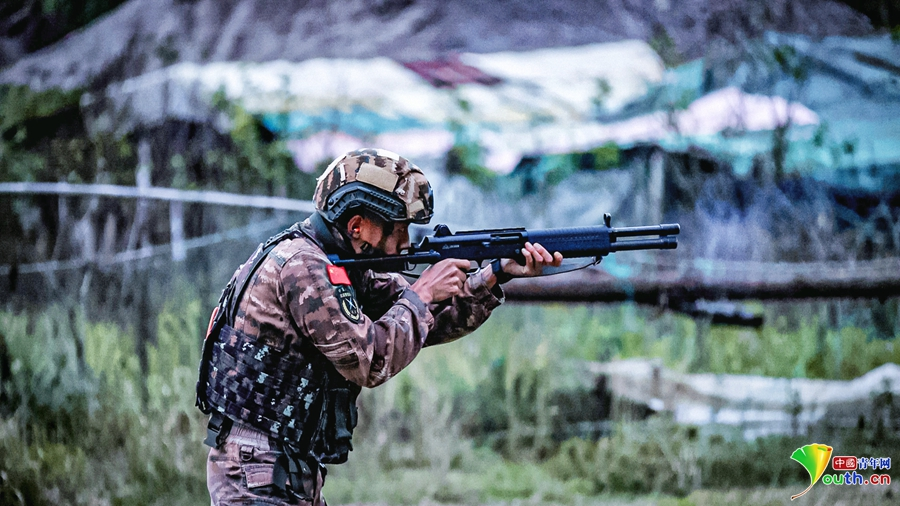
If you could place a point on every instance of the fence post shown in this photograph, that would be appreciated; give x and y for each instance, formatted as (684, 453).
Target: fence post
(176, 230)
(701, 346)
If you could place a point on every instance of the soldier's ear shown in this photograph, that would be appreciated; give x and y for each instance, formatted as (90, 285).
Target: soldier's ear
(354, 225)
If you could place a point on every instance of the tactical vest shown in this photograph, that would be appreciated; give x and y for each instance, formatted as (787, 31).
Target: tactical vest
(301, 402)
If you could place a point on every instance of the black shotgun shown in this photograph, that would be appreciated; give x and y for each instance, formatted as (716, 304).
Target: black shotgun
(480, 245)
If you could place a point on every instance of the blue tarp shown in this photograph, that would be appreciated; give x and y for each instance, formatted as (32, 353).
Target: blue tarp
(357, 121)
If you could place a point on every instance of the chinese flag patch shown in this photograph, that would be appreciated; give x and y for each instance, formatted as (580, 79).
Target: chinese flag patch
(338, 275)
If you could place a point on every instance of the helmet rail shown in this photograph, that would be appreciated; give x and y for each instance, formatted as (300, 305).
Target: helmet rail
(377, 180)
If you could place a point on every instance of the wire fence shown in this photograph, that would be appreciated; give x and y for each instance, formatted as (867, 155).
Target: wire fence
(157, 193)
(637, 275)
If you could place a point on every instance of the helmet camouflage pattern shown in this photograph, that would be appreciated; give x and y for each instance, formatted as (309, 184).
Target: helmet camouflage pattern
(378, 180)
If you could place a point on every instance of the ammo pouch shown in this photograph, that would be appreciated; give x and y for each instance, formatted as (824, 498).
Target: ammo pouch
(253, 384)
(332, 442)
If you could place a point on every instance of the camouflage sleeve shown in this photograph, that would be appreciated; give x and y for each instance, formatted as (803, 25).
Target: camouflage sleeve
(364, 351)
(466, 312)
(377, 291)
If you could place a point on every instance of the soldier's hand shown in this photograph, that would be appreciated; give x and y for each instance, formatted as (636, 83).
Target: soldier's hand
(536, 257)
(441, 281)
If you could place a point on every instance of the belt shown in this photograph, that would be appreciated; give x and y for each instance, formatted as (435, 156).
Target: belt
(245, 435)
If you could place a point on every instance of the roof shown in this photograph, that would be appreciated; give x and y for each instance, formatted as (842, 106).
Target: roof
(840, 116)
(450, 72)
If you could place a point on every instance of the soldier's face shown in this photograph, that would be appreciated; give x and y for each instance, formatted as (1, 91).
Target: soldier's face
(373, 237)
(395, 242)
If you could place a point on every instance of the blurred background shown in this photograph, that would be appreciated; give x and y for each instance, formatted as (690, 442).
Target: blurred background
(148, 146)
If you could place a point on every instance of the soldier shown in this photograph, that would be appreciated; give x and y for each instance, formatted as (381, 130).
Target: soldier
(294, 338)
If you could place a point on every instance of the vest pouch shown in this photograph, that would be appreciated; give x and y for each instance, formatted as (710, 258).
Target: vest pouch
(259, 386)
(333, 444)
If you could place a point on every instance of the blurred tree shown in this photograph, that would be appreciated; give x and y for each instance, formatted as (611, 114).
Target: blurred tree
(5, 375)
(882, 13)
(29, 25)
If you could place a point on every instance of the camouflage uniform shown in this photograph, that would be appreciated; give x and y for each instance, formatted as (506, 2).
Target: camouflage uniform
(369, 334)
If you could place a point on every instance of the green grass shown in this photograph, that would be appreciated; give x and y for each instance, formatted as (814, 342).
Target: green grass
(467, 423)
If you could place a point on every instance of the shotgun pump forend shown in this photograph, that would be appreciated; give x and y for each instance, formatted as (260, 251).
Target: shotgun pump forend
(480, 245)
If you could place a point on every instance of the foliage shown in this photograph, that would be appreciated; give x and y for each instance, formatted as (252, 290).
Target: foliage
(601, 94)
(47, 119)
(539, 173)
(882, 13)
(660, 456)
(473, 421)
(43, 22)
(257, 156)
(502, 379)
(19, 103)
(35, 152)
(665, 47)
(604, 157)
(790, 63)
(607, 156)
(44, 139)
(466, 156)
(83, 433)
(464, 159)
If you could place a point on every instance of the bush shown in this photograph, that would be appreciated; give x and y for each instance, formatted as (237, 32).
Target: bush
(659, 456)
(82, 432)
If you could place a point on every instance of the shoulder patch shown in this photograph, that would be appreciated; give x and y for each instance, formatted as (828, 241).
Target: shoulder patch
(338, 275)
(347, 300)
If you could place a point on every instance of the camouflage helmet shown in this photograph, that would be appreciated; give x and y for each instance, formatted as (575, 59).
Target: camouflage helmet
(378, 180)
